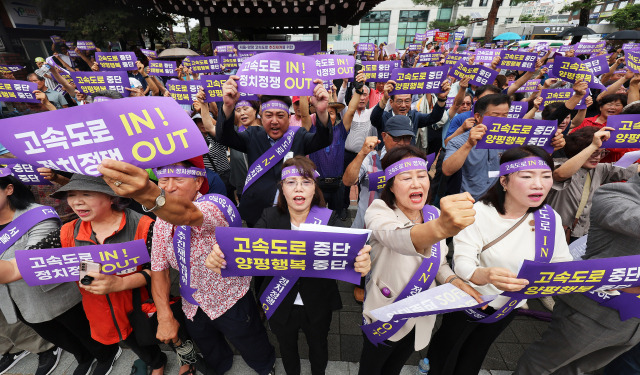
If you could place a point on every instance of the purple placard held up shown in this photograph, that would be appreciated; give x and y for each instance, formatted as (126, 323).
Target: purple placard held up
(71, 49)
(559, 95)
(163, 68)
(420, 37)
(458, 36)
(584, 48)
(116, 61)
(59, 88)
(626, 133)
(418, 80)
(205, 64)
(52, 266)
(504, 133)
(479, 75)
(10, 68)
(330, 67)
(597, 64)
(518, 109)
(147, 132)
(428, 57)
(18, 91)
(151, 54)
(565, 48)
(516, 60)
(26, 173)
(184, 92)
(212, 86)
(632, 61)
(432, 33)
(228, 48)
(229, 61)
(277, 73)
(274, 252)
(415, 47)
(366, 47)
(630, 46)
(547, 279)
(571, 69)
(56, 39)
(542, 46)
(379, 71)
(85, 45)
(484, 55)
(51, 62)
(92, 82)
(453, 58)
(529, 86)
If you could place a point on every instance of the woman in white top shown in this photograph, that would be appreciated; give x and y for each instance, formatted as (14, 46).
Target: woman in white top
(461, 344)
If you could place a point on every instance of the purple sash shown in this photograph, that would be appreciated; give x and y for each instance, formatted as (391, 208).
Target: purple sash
(23, 223)
(270, 158)
(279, 287)
(379, 331)
(182, 242)
(545, 224)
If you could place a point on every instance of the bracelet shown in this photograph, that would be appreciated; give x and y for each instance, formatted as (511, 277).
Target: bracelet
(441, 100)
(453, 278)
(145, 77)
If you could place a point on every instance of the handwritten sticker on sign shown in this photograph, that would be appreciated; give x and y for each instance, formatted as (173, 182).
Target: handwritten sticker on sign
(114, 61)
(184, 92)
(504, 133)
(626, 133)
(92, 82)
(18, 91)
(147, 132)
(521, 60)
(418, 80)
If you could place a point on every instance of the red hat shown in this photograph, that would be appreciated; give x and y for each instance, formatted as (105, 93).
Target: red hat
(295, 99)
(198, 162)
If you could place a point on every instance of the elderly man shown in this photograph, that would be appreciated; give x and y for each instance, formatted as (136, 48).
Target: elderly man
(53, 97)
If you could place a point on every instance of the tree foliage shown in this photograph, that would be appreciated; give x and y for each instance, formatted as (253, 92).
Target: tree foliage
(530, 18)
(627, 18)
(584, 6)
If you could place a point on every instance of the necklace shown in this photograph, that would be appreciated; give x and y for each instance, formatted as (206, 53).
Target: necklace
(417, 220)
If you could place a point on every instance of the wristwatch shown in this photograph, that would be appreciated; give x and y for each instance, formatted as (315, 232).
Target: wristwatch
(160, 201)
(359, 91)
(441, 100)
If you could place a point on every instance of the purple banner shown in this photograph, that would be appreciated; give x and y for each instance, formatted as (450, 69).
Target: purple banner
(151, 54)
(529, 86)
(184, 92)
(428, 57)
(628, 305)
(163, 68)
(85, 45)
(630, 46)
(65, 76)
(148, 132)
(225, 49)
(207, 64)
(92, 82)
(248, 49)
(626, 133)
(453, 58)
(518, 109)
(418, 80)
(26, 173)
(52, 266)
(518, 60)
(632, 61)
(18, 91)
(10, 68)
(597, 64)
(504, 133)
(212, 86)
(116, 61)
(186, 62)
(479, 75)
(571, 69)
(273, 252)
(379, 71)
(59, 88)
(330, 67)
(484, 55)
(276, 73)
(547, 279)
(584, 48)
(420, 37)
(559, 95)
(415, 47)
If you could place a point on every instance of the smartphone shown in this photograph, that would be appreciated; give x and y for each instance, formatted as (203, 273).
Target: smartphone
(87, 266)
(356, 69)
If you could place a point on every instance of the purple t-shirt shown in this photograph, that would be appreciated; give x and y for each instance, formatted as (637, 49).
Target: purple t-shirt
(330, 160)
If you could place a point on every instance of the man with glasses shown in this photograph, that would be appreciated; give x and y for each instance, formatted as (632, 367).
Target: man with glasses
(53, 97)
(577, 179)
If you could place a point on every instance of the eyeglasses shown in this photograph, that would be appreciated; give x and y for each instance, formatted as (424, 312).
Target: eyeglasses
(399, 101)
(292, 184)
(600, 154)
(402, 138)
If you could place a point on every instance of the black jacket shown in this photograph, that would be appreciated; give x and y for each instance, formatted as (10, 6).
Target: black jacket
(254, 142)
(318, 295)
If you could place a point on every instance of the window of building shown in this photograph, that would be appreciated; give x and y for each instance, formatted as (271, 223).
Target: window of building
(608, 7)
(597, 8)
(469, 3)
(622, 4)
(636, 2)
(410, 23)
(483, 3)
(511, 3)
(374, 27)
(444, 14)
(508, 20)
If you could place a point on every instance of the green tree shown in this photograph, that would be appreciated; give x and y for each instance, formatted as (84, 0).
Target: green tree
(530, 18)
(584, 7)
(627, 18)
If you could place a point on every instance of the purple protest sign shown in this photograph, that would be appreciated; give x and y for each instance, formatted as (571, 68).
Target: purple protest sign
(275, 73)
(420, 37)
(458, 36)
(65, 76)
(52, 266)
(418, 80)
(484, 55)
(114, 61)
(365, 47)
(504, 133)
(584, 48)
(10, 68)
(330, 67)
(51, 62)
(379, 71)
(529, 86)
(184, 92)
(225, 49)
(565, 48)
(453, 58)
(547, 279)
(415, 47)
(248, 49)
(516, 60)
(85, 45)
(632, 61)
(597, 64)
(206, 64)
(518, 109)
(59, 88)
(229, 61)
(542, 46)
(186, 62)
(626, 133)
(18, 91)
(428, 57)
(163, 68)
(26, 173)
(273, 252)
(212, 86)
(479, 75)
(559, 95)
(92, 82)
(147, 132)
(56, 39)
(571, 69)
(630, 46)
(432, 33)
(151, 54)
(71, 49)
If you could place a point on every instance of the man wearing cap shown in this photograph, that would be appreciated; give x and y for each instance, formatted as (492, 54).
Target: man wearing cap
(301, 112)
(43, 71)
(267, 146)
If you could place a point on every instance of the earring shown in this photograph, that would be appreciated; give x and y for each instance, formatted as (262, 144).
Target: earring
(504, 188)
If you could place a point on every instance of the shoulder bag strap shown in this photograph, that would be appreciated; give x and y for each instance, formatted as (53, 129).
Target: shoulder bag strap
(505, 233)
(583, 199)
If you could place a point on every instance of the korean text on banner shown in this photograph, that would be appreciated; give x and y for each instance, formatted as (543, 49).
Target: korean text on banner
(632, 61)
(114, 61)
(518, 109)
(441, 36)
(597, 64)
(484, 55)
(454, 58)
(85, 45)
(205, 64)
(428, 57)
(163, 68)
(379, 71)
(626, 133)
(10, 68)
(504, 133)
(18, 91)
(151, 54)
(275, 73)
(212, 86)
(26, 173)
(529, 86)
(418, 80)
(571, 69)
(516, 60)
(91, 82)
(147, 132)
(479, 75)
(559, 95)
(184, 92)
(330, 67)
